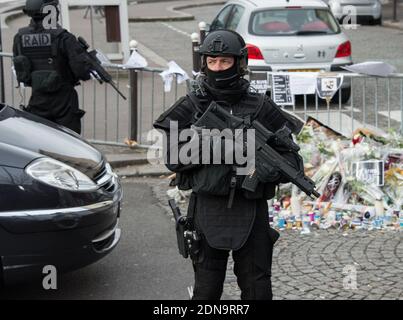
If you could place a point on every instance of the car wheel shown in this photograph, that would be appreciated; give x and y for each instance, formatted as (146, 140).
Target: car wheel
(377, 22)
(345, 95)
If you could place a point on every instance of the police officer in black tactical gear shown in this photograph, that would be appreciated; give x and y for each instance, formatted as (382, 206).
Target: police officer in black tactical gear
(227, 217)
(50, 60)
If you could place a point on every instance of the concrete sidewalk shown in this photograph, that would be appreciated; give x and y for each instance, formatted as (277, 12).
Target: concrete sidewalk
(169, 11)
(139, 11)
(131, 162)
(392, 24)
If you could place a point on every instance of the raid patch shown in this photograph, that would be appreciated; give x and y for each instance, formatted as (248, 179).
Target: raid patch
(36, 40)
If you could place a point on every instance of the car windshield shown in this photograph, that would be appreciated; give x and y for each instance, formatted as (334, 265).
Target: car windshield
(284, 22)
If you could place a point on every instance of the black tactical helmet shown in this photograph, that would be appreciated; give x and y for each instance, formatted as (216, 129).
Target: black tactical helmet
(33, 8)
(225, 43)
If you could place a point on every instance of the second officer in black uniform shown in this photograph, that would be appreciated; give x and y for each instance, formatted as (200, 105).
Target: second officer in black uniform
(227, 217)
(51, 61)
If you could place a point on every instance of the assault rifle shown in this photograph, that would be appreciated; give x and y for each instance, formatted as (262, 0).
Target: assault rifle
(97, 70)
(216, 117)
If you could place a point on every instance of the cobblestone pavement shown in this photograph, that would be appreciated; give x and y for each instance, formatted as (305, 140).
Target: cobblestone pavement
(322, 264)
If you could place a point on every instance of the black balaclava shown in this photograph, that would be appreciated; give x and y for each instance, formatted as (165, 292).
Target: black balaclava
(226, 85)
(226, 79)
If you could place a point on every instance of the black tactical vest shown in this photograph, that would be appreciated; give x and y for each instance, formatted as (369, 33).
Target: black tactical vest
(222, 179)
(39, 63)
(215, 186)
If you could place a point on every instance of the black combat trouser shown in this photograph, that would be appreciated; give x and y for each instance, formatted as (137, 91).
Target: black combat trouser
(61, 107)
(252, 264)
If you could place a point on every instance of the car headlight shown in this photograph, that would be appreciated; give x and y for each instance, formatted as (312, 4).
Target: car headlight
(59, 175)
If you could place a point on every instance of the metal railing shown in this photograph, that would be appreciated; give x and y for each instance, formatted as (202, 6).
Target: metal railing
(109, 119)
(375, 101)
(153, 100)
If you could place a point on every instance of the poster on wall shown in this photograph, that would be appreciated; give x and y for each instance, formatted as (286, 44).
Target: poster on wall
(282, 95)
(259, 81)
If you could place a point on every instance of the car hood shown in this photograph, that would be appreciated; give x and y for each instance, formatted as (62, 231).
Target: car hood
(27, 131)
(12, 156)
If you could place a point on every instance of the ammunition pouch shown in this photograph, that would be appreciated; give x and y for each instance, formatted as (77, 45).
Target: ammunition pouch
(23, 69)
(183, 181)
(212, 179)
(46, 81)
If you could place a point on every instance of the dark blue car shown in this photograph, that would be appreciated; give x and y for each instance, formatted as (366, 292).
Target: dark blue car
(59, 199)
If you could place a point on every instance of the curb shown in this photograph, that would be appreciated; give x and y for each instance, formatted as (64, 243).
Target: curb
(143, 171)
(9, 16)
(126, 165)
(119, 163)
(177, 10)
(197, 5)
(156, 19)
(392, 25)
(11, 13)
(144, 175)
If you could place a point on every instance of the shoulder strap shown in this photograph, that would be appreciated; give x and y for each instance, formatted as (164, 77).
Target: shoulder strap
(260, 106)
(21, 32)
(195, 102)
(24, 30)
(19, 45)
(56, 33)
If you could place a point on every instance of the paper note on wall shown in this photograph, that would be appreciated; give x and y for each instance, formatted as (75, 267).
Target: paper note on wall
(303, 82)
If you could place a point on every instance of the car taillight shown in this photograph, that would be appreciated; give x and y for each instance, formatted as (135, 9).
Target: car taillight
(344, 50)
(254, 52)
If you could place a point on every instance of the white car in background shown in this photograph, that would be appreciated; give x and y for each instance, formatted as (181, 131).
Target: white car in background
(289, 35)
(368, 9)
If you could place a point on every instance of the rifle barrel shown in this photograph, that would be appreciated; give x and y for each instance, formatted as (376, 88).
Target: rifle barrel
(117, 90)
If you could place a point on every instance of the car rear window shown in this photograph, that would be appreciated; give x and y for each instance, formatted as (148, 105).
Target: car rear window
(283, 22)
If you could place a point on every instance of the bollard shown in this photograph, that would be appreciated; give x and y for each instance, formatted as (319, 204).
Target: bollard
(133, 111)
(395, 11)
(202, 28)
(195, 52)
